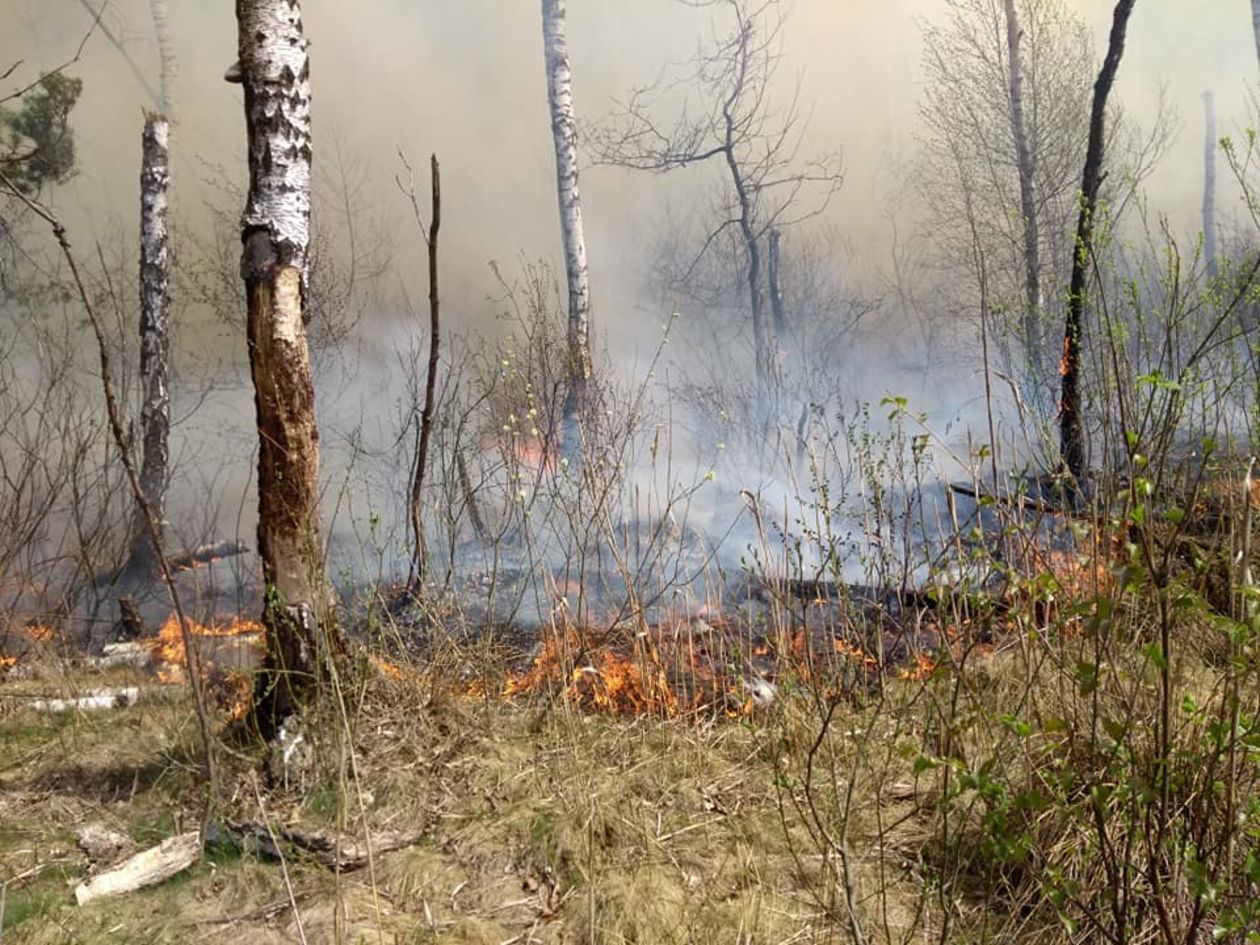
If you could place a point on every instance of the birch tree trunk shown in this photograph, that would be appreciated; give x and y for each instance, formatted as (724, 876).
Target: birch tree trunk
(1255, 24)
(275, 235)
(1071, 426)
(1209, 184)
(155, 409)
(1027, 200)
(564, 135)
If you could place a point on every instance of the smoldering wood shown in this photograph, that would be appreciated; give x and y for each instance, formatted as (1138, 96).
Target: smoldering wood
(1071, 423)
(204, 554)
(147, 868)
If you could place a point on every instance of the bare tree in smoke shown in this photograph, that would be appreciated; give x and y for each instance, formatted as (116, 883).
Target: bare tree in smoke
(301, 634)
(1071, 427)
(564, 135)
(1003, 113)
(736, 122)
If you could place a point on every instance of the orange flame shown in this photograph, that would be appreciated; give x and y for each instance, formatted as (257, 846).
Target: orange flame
(168, 646)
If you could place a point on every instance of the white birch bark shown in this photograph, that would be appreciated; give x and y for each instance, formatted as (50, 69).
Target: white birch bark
(275, 236)
(276, 72)
(564, 135)
(155, 406)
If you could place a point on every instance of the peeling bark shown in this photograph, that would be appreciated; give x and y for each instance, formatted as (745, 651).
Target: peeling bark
(564, 135)
(1071, 427)
(275, 236)
(1025, 163)
(155, 410)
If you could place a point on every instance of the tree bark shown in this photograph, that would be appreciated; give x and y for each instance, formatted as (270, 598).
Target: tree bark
(1025, 163)
(155, 409)
(430, 379)
(777, 311)
(1071, 427)
(275, 234)
(1209, 184)
(564, 136)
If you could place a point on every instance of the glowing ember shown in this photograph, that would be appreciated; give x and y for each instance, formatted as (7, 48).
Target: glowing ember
(6, 662)
(387, 668)
(40, 633)
(922, 668)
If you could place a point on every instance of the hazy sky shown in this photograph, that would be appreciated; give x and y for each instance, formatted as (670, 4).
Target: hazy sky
(464, 78)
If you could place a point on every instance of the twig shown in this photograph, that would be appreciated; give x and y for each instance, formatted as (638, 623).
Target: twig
(430, 383)
(284, 868)
(191, 654)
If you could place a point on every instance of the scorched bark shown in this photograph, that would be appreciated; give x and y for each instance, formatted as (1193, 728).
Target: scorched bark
(275, 235)
(1071, 425)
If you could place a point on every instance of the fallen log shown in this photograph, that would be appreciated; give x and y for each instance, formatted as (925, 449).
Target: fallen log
(147, 868)
(94, 700)
(344, 853)
(204, 554)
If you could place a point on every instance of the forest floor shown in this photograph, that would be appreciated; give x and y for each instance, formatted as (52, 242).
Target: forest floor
(537, 822)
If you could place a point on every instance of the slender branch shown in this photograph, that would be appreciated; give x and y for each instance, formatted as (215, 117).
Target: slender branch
(192, 659)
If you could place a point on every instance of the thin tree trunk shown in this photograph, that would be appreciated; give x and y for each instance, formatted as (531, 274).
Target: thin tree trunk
(1209, 184)
(762, 354)
(777, 311)
(155, 409)
(1027, 200)
(430, 381)
(166, 53)
(1071, 427)
(1255, 24)
(275, 234)
(564, 136)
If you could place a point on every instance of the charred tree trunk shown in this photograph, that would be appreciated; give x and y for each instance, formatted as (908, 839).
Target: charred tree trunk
(1071, 426)
(1209, 184)
(155, 409)
(564, 136)
(275, 233)
(430, 379)
(1026, 166)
